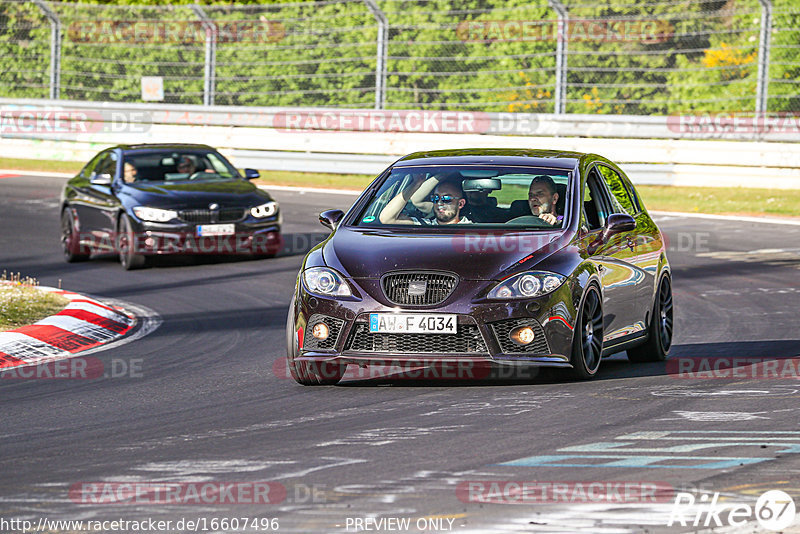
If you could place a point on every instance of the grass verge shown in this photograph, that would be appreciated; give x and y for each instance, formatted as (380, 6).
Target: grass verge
(716, 200)
(44, 165)
(313, 179)
(21, 303)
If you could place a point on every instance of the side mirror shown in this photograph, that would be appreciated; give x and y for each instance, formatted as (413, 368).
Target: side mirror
(251, 174)
(618, 222)
(100, 179)
(331, 218)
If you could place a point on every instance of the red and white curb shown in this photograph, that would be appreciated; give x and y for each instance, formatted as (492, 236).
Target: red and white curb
(84, 324)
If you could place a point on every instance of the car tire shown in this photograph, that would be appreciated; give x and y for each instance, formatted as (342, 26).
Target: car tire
(587, 340)
(317, 373)
(70, 239)
(126, 246)
(659, 337)
(309, 373)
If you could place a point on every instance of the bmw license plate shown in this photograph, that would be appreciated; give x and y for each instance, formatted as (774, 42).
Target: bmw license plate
(215, 229)
(412, 323)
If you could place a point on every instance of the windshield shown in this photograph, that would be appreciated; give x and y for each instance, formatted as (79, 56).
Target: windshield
(176, 165)
(474, 195)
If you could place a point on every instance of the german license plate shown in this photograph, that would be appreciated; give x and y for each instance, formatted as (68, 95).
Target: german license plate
(412, 323)
(204, 230)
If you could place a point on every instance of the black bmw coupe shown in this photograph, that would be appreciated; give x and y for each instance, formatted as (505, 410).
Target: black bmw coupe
(484, 258)
(157, 199)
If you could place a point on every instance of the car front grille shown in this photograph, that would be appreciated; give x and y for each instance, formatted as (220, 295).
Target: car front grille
(418, 288)
(205, 216)
(467, 340)
(334, 329)
(502, 328)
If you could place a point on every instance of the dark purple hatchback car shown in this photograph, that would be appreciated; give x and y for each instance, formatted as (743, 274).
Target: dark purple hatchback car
(484, 258)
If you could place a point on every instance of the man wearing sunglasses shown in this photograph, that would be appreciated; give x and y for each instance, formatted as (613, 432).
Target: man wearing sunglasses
(447, 198)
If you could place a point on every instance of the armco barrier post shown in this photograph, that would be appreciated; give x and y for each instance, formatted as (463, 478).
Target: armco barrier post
(561, 55)
(55, 48)
(383, 43)
(762, 90)
(209, 76)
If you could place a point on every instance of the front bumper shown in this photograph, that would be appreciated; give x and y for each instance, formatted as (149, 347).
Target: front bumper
(482, 337)
(166, 239)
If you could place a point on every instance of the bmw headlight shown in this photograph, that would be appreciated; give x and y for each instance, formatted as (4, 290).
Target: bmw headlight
(325, 281)
(154, 214)
(526, 285)
(264, 210)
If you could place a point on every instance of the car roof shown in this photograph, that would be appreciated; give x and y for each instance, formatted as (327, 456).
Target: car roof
(494, 156)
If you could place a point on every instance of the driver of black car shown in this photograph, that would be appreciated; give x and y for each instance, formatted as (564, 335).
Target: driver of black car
(188, 164)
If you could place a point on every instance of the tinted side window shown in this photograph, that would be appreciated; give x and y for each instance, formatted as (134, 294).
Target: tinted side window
(108, 165)
(87, 170)
(633, 194)
(595, 205)
(621, 195)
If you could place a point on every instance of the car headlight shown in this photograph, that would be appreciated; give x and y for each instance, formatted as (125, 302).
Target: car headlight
(325, 281)
(264, 210)
(154, 214)
(526, 285)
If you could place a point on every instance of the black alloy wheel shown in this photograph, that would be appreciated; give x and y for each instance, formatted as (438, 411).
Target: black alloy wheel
(70, 239)
(587, 341)
(659, 339)
(126, 245)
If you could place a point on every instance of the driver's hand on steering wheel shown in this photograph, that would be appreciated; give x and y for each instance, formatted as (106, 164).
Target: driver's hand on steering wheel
(549, 218)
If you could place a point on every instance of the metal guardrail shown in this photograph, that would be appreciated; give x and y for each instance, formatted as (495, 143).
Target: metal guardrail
(365, 141)
(727, 127)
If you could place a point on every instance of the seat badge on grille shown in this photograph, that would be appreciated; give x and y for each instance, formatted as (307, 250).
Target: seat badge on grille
(213, 206)
(417, 288)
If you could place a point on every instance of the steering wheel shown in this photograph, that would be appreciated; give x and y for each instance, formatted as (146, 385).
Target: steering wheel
(530, 220)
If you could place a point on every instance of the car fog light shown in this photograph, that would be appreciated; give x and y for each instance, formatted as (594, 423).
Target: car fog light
(320, 331)
(522, 336)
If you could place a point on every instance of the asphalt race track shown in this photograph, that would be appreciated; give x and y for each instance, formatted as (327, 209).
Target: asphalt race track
(202, 399)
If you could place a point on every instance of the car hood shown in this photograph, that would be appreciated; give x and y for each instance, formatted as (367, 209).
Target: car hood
(195, 194)
(477, 255)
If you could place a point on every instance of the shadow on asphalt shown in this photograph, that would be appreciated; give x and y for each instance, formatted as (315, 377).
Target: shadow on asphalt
(615, 367)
